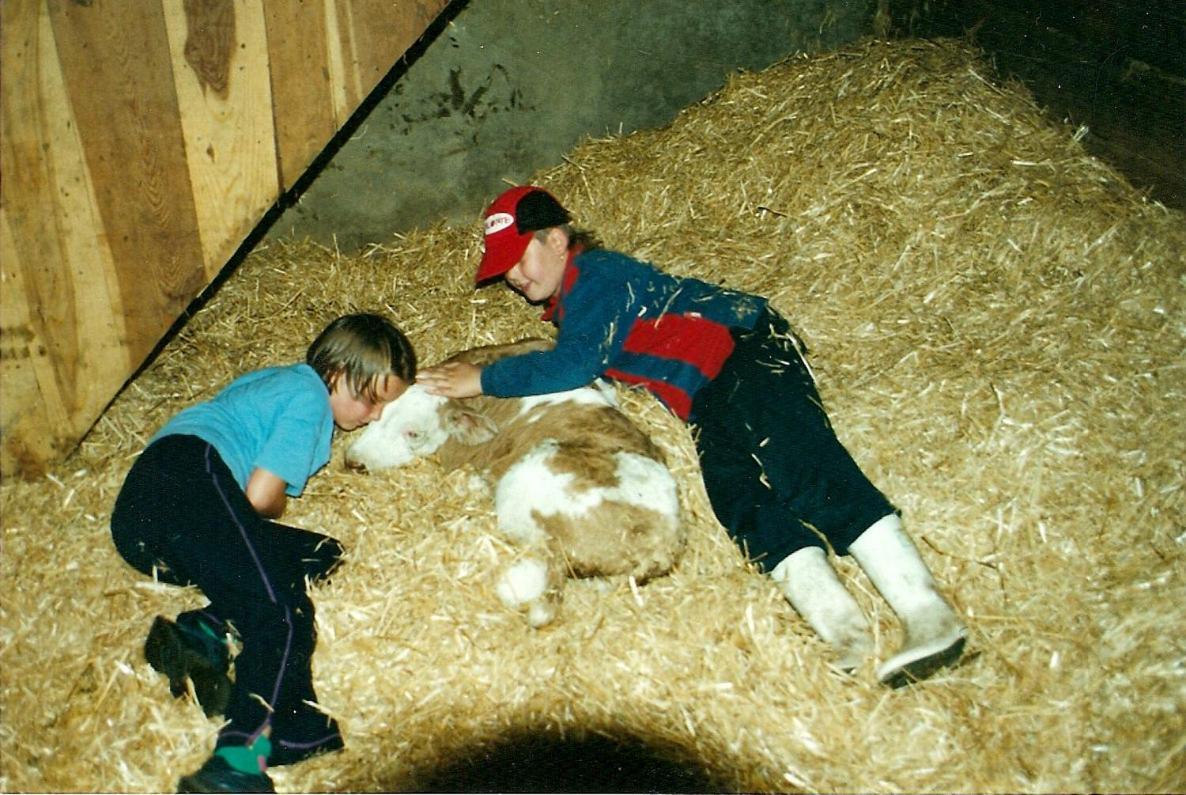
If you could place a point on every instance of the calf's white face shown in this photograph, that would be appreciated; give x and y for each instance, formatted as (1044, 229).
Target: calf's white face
(410, 427)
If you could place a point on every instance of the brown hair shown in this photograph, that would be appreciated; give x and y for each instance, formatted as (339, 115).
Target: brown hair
(364, 348)
(578, 238)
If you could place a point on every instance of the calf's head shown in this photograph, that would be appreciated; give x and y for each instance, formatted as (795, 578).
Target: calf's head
(415, 425)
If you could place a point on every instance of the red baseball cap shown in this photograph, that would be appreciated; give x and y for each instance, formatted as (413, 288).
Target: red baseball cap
(510, 222)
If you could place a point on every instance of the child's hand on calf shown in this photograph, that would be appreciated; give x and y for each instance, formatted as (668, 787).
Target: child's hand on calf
(452, 379)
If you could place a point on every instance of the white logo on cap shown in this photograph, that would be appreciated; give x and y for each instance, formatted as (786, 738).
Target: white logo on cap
(498, 222)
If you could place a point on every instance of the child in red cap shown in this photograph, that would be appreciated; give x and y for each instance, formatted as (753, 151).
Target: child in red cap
(728, 363)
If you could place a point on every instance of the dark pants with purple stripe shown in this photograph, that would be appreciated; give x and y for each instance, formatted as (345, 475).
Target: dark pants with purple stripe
(775, 473)
(181, 512)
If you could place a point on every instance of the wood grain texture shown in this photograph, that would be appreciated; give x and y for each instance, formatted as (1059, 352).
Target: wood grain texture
(344, 88)
(220, 71)
(377, 31)
(140, 144)
(119, 74)
(39, 271)
(301, 100)
(28, 428)
(63, 352)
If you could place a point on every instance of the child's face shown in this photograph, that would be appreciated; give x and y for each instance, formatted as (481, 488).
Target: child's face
(354, 411)
(540, 271)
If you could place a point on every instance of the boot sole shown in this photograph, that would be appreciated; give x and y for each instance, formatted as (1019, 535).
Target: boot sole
(168, 653)
(924, 667)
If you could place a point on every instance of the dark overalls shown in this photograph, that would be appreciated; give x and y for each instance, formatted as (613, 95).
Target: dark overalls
(773, 468)
(182, 513)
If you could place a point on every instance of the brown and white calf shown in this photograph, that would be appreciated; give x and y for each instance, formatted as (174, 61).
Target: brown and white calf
(579, 488)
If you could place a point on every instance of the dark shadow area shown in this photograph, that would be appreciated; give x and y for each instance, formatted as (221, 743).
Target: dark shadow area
(1116, 67)
(541, 761)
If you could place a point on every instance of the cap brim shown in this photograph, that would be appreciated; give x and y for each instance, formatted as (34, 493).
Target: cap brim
(500, 258)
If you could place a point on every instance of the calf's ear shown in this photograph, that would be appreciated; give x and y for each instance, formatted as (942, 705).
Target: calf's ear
(470, 427)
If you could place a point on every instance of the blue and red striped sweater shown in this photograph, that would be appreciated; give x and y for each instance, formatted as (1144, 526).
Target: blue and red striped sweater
(620, 318)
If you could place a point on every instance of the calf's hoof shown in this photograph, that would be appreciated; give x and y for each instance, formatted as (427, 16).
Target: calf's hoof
(524, 587)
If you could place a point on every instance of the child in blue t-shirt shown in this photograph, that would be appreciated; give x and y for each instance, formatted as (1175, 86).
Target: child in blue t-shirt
(729, 364)
(197, 508)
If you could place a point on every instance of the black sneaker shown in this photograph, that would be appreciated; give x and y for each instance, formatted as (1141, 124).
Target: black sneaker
(180, 653)
(217, 775)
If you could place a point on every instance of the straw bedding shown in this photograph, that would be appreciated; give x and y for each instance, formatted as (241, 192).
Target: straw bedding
(998, 324)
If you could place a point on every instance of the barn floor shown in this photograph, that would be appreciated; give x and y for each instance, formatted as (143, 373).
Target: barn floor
(998, 324)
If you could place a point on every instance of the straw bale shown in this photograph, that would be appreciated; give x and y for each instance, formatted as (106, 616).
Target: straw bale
(998, 325)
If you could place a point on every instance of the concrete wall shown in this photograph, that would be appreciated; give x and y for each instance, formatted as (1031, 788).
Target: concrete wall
(509, 86)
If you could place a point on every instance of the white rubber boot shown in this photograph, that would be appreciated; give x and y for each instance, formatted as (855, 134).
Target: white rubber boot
(810, 584)
(932, 633)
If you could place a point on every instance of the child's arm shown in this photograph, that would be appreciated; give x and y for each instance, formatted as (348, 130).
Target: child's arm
(452, 379)
(297, 443)
(599, 311)
(265, 492)
(571, 364)
(540, 372)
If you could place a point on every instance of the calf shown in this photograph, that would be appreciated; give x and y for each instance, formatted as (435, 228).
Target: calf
(577, 486)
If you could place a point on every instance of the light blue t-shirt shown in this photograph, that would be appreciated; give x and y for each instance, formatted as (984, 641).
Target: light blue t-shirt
(278, 419)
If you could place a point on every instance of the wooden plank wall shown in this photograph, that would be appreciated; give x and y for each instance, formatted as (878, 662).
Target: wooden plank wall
(140, 145)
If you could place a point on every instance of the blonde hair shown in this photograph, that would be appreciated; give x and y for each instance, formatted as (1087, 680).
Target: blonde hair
(364, 348)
